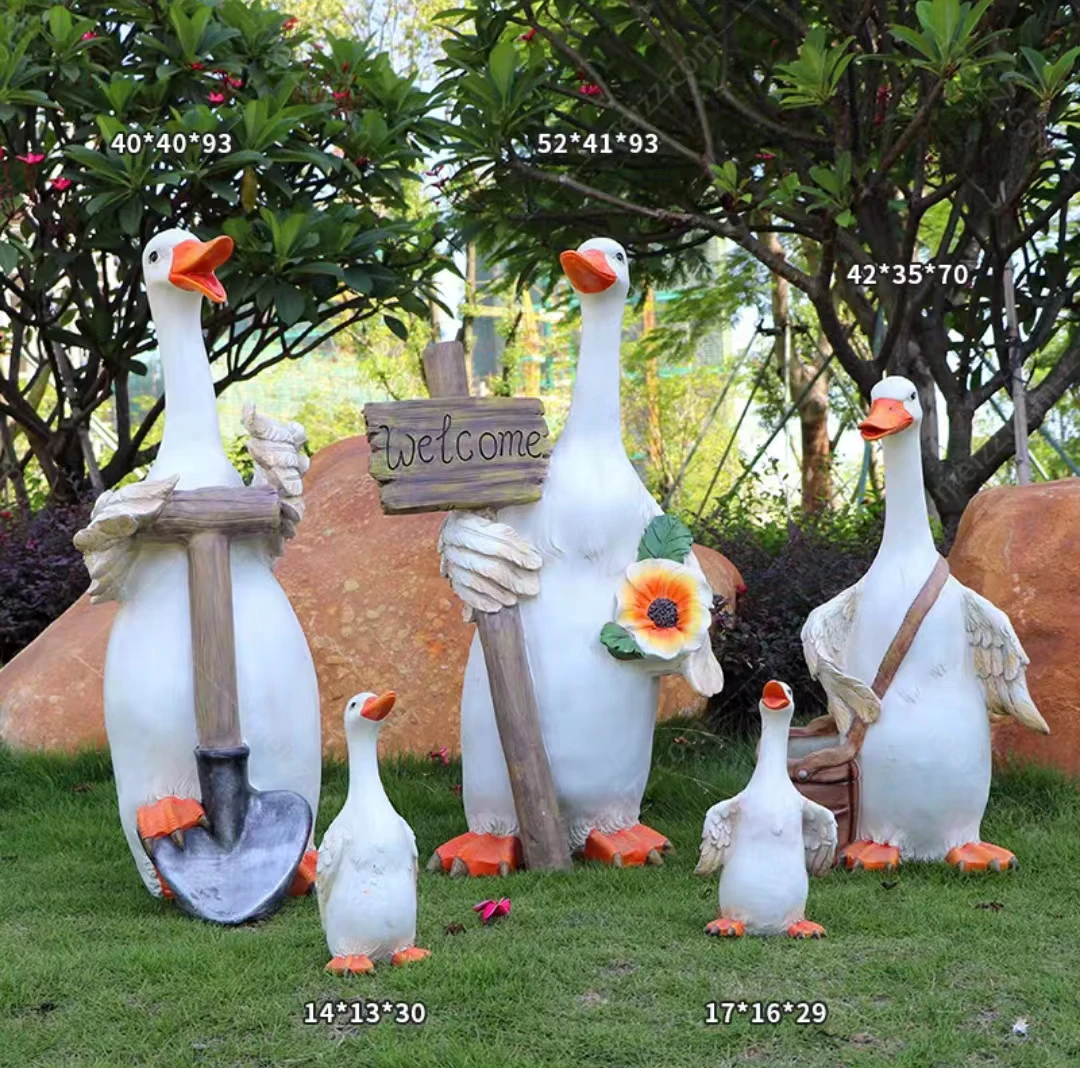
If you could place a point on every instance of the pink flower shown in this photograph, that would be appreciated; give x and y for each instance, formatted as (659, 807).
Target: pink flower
(591, 89)
(60, 184)
(528, 35)
(216, 98)
(290, 24)
(765, 156)
(236, 83)
(88, 36)
(31, 158)
(341, 94)
(438, 755)
(196, 65)
(492, 910)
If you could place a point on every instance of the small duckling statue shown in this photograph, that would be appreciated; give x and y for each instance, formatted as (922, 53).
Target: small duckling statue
(766, 838)
(366, 875)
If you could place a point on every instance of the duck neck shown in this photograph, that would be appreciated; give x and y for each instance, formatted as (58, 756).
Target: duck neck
(595, 408)
(365, 783)
(907, 522)
(773, 748)
(191, 416)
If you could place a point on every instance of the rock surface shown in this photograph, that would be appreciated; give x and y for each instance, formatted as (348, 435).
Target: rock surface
(1019, 546)
(367, 591)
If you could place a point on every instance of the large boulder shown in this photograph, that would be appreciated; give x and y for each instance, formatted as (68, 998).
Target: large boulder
(367, 591)
(1019, 546)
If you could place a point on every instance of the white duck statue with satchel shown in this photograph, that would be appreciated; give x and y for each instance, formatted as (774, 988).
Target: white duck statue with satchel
(611, 597)
(766, 839)
(916, 694)
(149, 690)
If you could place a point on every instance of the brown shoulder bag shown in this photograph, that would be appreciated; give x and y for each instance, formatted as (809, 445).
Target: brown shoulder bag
(823, 767)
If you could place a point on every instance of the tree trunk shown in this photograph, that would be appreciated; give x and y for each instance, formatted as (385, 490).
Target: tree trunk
(816, 456)
(654, 435)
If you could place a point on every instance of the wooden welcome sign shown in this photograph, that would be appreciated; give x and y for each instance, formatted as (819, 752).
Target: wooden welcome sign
(457, 451)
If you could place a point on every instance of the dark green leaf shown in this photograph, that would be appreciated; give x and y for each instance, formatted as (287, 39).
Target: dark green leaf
(619, 642)
(665, 538)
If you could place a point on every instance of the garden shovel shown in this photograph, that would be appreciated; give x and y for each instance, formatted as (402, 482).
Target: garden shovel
(240, 867)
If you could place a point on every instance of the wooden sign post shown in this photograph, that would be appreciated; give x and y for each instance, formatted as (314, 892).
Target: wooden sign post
(457, 451)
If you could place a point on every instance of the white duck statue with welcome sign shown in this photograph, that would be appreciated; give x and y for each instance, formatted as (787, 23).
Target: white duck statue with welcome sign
(611, 597)
(766, 839)
(149, 689)
(914, 664)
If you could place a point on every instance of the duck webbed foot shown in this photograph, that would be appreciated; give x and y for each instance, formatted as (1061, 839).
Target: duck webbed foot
(169, 817)
(870, 856)
(352, 964)
(629, 847)
(478, 854)
(304, 880)
(409, 955)
(981, 856)
(722, 927)
(806, 929)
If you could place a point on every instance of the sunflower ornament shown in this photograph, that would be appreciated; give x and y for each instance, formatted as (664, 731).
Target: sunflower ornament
(663, 607)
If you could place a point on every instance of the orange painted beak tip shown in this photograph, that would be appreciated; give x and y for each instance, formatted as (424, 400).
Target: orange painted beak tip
(194, 263)
(774, 696)
(886, 416)
(588, 272)
(377, 708)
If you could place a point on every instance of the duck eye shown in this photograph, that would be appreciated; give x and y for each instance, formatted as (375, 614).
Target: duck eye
(620, 257)
(912, 397)
(153, 257)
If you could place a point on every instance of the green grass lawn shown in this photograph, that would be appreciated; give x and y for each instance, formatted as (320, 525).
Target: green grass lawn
(598, 967)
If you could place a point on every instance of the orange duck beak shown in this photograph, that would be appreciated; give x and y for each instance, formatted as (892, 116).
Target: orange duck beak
(588, 272)
(886, 416)
(377, 708)
(194, 263)
(774, 696)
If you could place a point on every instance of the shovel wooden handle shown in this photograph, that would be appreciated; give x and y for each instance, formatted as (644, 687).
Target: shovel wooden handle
(205, 519)
(213, 644)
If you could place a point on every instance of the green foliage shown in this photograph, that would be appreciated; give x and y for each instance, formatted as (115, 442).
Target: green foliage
(303, 152)
(1048, 80)
(813, 77)
(949, 35)
(864, 137)
(666, 538)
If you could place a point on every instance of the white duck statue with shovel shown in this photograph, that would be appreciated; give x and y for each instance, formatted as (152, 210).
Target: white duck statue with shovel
(153, 679)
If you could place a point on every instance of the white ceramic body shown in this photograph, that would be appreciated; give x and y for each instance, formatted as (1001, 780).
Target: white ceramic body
(764, 882)
(597, 713)
(926, 764)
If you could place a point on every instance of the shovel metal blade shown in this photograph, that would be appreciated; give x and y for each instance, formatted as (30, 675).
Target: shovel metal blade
(242, 867)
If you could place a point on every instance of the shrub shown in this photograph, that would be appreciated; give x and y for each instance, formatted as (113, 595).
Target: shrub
(41, 572)
(790, 564)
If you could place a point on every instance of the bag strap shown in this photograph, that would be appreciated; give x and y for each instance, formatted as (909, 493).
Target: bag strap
(901, 643)
(890, 664)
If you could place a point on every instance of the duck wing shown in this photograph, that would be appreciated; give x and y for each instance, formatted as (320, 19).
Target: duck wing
(999, 660)
(108, 544)
(717, 834)
(280, 462)
(701, 668)
(819, 837)
(825, 637)
(489, 564)
(331, 850)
